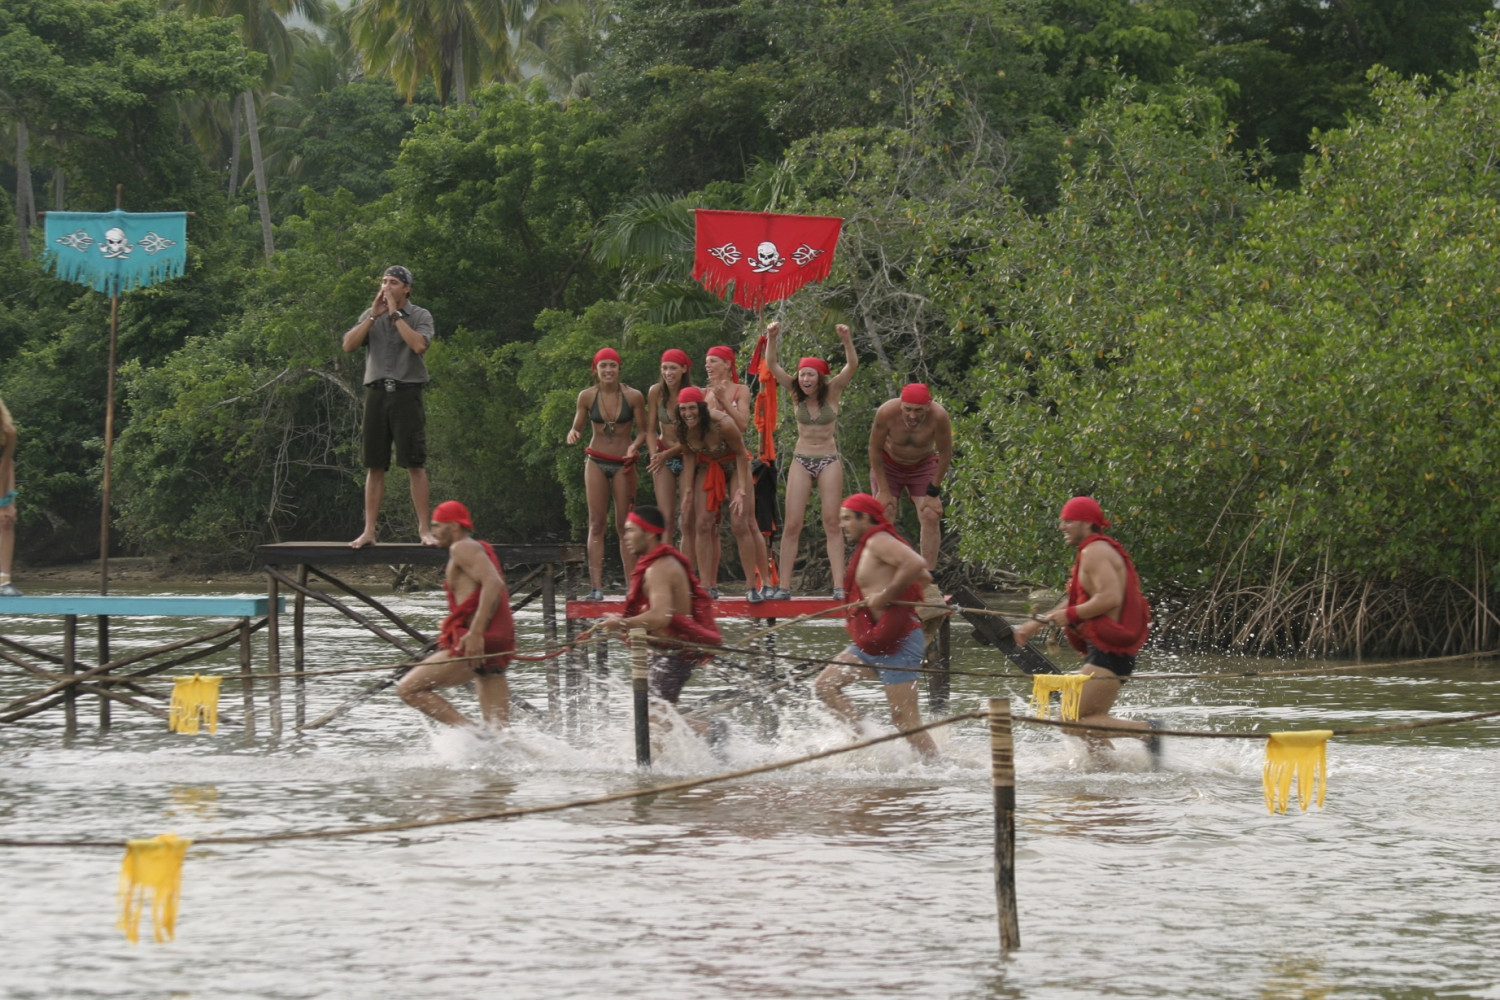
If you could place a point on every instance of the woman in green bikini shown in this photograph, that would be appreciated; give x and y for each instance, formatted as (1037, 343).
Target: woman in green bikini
(815, 458)
(618, 415)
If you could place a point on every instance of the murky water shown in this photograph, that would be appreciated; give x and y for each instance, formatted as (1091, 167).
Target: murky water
(864, 875)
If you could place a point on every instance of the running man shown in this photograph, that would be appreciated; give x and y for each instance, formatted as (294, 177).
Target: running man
(1104, 615)
(666, 600)
(888, 643)
(478, 622)
(911, 447)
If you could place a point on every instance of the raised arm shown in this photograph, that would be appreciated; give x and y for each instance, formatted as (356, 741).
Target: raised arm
(773, 339)
(851, 363)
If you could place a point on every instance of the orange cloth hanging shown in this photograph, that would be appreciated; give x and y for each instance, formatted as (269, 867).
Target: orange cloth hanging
(1301, 754)
(766, 403)
(154, 864)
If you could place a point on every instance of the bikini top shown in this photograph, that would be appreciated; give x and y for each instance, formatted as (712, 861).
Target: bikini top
(597, 415)
(717, 455)
(827, 415)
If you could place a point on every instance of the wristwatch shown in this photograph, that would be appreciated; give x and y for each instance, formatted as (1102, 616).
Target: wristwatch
(400, 313)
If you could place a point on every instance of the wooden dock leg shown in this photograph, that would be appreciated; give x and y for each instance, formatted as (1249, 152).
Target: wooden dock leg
(1003, 778)
(273, 654)
(940, 660)
(640, 689)
(70, 666)
(299, 614)
(103, 642)
(247, 675)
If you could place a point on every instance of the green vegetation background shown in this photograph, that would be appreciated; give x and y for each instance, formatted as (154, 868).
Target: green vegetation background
(1231, 268)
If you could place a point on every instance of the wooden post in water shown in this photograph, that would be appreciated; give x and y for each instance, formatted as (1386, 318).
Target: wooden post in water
(70, 666)
(639, 682)
(273, 653)
(299, 618)
(103, 645)
(1003, 778)
(247, 678)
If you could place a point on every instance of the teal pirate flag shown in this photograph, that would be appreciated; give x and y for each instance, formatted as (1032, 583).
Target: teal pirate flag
(116, 251)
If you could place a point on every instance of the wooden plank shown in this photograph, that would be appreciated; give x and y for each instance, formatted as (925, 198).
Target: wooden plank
(992, 630)
(141, 606)
(399, 553)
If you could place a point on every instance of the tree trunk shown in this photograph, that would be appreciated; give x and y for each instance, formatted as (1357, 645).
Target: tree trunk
(25, 207)
(234, 146)
(258, 168)
(59, 189)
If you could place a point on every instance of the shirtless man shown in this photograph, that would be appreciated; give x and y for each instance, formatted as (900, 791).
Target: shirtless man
(1105, 617)
(395, 333)
(666, 600)
(911, 447)
(888, 642)
(478, 622)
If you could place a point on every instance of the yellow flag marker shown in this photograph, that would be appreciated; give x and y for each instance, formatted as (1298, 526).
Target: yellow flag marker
(1071, 686)
(194, 698)
(1304, 754)
(155, 864)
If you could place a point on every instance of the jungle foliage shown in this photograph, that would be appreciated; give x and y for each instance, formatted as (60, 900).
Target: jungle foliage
(1202, 259)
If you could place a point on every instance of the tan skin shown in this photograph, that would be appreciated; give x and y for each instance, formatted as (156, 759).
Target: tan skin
(8, 438)
(1103, 575)
(393, 295)
(630, 404)
(724, 395)
(812, 440)
(887, 566)
(662, 444)
(721, 437)
(469, 569)
(668, 593)
(909, 434)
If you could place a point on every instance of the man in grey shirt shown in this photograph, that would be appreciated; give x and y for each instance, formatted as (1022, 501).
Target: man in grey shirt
(396, 334)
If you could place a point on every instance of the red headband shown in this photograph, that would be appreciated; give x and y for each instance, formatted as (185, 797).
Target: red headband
(816, 364)
(689, 394)
(453, 512)
(725, 354)
(676, 357)
(605, 354)
(863, 503)
(1085, 509)
(916, 394)
(643, 524)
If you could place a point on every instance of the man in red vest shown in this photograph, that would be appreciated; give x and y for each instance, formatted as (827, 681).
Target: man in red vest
(666, 600)
(1104, 615)
(478, 622)
(888, 642)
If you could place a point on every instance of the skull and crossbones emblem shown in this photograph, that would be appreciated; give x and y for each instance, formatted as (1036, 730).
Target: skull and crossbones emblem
(768, 259)
(116, 246)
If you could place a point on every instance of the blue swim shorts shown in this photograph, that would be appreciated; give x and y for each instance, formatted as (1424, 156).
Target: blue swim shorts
(899, 667)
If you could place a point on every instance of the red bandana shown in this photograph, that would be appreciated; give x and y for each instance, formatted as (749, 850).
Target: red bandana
(766, 256)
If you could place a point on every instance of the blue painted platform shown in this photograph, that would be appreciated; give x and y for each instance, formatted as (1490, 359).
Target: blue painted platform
(109, 604)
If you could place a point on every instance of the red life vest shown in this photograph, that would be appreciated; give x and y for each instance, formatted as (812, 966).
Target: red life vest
(896, 622)
(698, 628)
(501, 627)
(1125, 636)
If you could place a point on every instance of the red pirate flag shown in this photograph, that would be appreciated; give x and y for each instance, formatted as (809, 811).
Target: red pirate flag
(767, 256)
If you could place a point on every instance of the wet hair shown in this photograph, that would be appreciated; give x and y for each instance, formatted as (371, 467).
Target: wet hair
(682, 427)
(650, 515)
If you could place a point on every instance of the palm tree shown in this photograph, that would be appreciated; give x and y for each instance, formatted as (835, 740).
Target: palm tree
(458, 43)
(564, 41)
(263, 29)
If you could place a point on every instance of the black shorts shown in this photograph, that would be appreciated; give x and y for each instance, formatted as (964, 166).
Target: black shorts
(1122, 665)
(670, 670)
(398, 418)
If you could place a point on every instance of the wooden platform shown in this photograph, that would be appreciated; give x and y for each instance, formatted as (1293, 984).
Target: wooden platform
(724, 607)
(402, 553)
(111, 604)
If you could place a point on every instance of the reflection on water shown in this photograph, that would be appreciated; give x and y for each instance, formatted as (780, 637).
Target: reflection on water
(865, 875)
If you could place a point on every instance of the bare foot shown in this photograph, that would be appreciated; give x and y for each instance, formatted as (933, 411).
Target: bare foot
(364, 541)
(428, 538)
